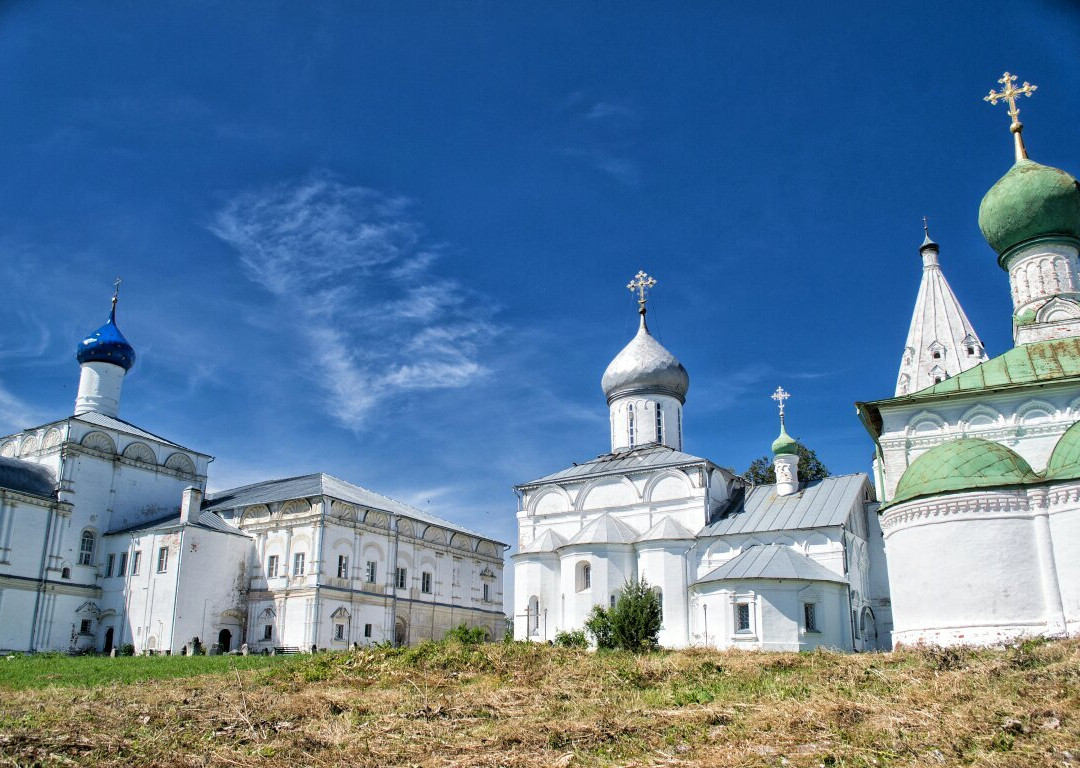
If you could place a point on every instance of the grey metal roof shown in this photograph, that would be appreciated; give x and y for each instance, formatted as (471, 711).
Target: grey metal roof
(26, 477)
(605, 530)
(108, 422)
(208, 520)
(321, 484)
(648, 457)
(548, 541)
(771, 561)
(666, 529)
(816, 504)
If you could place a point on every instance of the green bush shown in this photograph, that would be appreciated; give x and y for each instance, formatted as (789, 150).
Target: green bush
(598, 625)
(127, 649)
(573, 639)
(462, 634)
(635, 619)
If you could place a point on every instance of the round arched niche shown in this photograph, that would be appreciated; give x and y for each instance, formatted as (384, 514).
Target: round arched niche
(140, 452)
(180, 462)
(100, 442)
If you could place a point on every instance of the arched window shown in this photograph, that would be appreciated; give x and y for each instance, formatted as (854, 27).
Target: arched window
(659, 600)
(659, 423)
(630, 422)
(86, 548)
(584, 576)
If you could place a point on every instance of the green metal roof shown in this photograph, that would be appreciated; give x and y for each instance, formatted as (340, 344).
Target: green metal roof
(963, 465)
(1065, 460)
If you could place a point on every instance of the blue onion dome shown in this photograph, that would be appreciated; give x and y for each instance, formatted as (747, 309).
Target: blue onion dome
(644, 366)
(107, 345)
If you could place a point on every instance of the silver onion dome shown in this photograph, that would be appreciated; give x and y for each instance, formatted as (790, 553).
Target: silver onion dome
(644, 366)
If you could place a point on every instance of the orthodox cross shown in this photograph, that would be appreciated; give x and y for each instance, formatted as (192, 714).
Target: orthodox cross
(926, 225)
(116, 289)
(1010, 93)
(641, 285)
(780, 396)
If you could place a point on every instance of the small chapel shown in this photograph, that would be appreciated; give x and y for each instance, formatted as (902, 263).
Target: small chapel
(787, 566)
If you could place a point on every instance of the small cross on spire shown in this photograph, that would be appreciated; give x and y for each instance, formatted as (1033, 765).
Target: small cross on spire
(641, 285)
(926, 225)
(116, 291)
(780, 396)
(1010, 93)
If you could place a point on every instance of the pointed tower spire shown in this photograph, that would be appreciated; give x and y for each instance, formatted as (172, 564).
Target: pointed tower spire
(941, 341)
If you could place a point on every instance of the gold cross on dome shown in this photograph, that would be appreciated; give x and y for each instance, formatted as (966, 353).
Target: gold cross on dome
(780, 396)
(1010, 93)
(641, 285)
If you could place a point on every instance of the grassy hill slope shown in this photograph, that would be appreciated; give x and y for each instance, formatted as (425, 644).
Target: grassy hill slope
(523, 705)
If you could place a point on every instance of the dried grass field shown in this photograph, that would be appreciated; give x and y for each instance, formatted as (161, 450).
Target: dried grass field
(524, 705)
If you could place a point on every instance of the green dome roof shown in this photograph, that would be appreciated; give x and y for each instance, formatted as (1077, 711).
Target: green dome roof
(1029, 201)
(962, 465)
(1065, 460)
(785, 444)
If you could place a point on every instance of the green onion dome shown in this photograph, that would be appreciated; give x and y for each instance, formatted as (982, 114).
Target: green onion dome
(785, 444)
(962, 465)
(1030, 201)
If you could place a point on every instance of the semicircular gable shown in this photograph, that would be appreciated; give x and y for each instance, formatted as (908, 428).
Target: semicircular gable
(434, 534)
(295, 507)
(926, 423)
(486, 548)
(550, 501)
(376, 519)
(405, 528)
(1035, 412)
(7, 450)
(342, 511)
(99, 441)
(180, 463)
(667, 487)
(981, 417)
(461, 541)
(140, 452)
(609, 492)
(52, 439)
(255, 513)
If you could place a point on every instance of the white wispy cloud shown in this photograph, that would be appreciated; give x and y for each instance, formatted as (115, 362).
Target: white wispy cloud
(351, 265)
(602, 135)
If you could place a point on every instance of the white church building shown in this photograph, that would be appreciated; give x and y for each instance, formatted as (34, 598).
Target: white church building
(107, 538)
(977, 461)
(789, 566)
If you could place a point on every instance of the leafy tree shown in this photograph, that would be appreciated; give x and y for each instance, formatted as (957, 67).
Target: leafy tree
(598, 625)
(508, 633)
(464, 635)
(762, 471)
(635, 619)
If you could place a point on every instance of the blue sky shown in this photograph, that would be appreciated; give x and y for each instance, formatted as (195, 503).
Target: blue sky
(389, 241)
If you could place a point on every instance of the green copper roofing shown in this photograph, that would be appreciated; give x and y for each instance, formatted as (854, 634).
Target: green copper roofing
(962, 465)
(1065, 460)
(1040, 361)
(1030, 200)
(785, 444)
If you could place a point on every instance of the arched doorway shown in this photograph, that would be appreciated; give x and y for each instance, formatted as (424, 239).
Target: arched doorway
(224, 640)
(401, 632)
(107, 648)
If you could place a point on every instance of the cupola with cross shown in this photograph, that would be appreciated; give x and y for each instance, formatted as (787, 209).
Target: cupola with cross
(105, 357)
(1031, 217)
(645, 386)
(785, 450)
